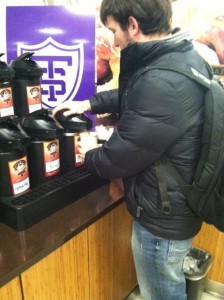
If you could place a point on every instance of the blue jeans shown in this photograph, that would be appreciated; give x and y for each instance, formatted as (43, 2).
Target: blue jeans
(159, 265)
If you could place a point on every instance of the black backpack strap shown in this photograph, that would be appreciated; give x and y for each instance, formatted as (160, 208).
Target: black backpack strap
(160, 166)
(166, 207)
(184, 69)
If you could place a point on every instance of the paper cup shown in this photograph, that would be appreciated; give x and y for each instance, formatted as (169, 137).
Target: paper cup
(89, 140)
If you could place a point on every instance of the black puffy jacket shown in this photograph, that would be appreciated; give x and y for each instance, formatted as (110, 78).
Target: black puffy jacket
(161, 113)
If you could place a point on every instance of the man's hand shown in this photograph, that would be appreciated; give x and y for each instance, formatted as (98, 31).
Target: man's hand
(71, 108)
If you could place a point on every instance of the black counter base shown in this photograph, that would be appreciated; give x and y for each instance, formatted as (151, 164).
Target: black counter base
(22, 211)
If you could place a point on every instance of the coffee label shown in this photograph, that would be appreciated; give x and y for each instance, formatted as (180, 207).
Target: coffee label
(51, 157)
(19, 175)
(6, 102)
(34, 98)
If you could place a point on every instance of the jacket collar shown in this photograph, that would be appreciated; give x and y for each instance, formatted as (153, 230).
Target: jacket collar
(137, 55)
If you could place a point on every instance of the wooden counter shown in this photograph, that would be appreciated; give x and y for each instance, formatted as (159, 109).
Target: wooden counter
(79, 228)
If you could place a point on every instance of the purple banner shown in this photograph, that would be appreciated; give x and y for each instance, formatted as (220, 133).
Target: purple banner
(63, 42)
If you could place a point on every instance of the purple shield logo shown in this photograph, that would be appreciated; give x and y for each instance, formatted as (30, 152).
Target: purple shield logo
(62, 69)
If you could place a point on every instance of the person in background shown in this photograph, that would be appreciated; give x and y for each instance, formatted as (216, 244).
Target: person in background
(160, 115)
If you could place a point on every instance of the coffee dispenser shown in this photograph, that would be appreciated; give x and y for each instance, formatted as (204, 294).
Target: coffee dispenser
(14, 173)
(44, 149)
(26, 85)
(6, 97)
(73, 126)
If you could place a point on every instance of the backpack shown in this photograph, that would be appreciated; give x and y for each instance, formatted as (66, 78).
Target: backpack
(205, 195)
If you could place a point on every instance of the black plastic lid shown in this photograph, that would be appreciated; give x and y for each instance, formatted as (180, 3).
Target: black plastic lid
(41, 125)
(12, 135)
(73, 123)
(6, 72)
(24, 66)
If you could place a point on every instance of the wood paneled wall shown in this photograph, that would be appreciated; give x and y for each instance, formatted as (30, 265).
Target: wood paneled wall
(61, 275)
(111, 266)
(11, 291)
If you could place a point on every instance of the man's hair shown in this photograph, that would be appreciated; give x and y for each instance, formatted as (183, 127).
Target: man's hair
(153, 16)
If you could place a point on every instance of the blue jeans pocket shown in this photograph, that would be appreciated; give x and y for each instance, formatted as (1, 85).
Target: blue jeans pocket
(178, 250)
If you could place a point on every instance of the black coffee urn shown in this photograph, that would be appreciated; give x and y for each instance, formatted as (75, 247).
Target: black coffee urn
(26, 85)
(6, 97)
(14, 172)
(44, 149)
(73, 126)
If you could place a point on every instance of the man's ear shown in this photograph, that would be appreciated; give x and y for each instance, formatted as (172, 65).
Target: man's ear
(133, 26)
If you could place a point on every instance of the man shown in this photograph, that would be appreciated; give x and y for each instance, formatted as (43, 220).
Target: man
(160, 115)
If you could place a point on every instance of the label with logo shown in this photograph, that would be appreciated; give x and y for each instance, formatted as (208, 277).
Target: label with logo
(6, 102)
(34, 98)
(78, 161)
(19, 175)
(51, 157)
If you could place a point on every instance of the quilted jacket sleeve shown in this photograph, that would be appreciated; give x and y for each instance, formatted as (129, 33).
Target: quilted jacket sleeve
(105, 102)
(152, 119)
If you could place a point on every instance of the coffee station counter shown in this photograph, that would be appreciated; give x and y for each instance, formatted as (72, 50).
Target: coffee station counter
(19, 250)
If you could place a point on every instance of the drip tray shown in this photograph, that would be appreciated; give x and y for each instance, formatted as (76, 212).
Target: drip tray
(22, 211)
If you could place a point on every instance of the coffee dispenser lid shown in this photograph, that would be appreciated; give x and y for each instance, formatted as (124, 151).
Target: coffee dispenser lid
(12, 135)
(74, 123)
(25, 66)
(41, 125)
(6, 72)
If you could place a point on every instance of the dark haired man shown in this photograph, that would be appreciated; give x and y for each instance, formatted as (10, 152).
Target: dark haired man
(160, 115)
